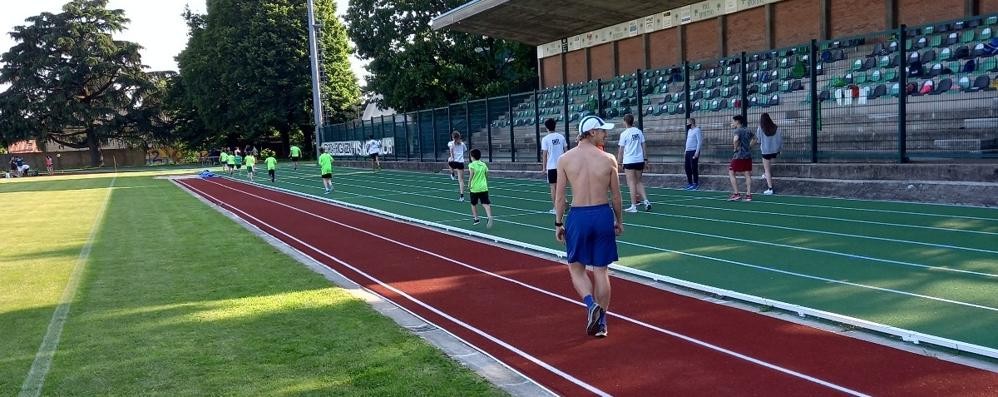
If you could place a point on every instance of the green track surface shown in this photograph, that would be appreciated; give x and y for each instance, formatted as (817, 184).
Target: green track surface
(176, 299)
(921, 267)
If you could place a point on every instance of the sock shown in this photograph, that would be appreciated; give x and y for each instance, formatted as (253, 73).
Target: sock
(589, 301)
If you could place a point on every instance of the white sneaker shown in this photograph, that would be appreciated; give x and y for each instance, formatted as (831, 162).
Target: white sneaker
(461, 199)
(452, 177)
(631, 209)
(647, 205)
(768, 192)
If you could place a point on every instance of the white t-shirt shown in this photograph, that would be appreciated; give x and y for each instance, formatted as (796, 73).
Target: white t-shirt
(374, 146)
(553, 143)
(631, 140)
(457, 151)
(693, 139)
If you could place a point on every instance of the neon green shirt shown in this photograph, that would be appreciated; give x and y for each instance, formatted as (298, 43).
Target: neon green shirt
(295, 151)
(222, 158)
(250, 160)
(479, 173)
(326, 163)
(271, 163)
(231, 160)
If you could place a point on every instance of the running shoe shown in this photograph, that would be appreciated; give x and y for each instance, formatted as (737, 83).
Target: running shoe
(696, 186)
(602, 331)
(735, 197)
(460, 199)
(768, 192)
(688, 187)
(748, 197)
(593, 324)
(476, 221)
(631, 209)
(647, 205)
(452, 177)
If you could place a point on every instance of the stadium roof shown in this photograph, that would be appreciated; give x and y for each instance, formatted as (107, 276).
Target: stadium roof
(541, 22)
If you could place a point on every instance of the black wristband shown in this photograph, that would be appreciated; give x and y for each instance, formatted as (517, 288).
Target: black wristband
(558, 224)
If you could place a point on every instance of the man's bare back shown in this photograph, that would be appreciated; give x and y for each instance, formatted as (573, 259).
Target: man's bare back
(592, 174)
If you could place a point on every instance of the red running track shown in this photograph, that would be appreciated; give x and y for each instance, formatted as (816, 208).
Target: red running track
(522, 310)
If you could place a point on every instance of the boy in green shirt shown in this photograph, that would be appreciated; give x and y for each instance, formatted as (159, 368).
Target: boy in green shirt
(295, 155)
(326, 170)
(230, 162)
(271, 166)
(223, 159)
(479, 187)
(250, 162)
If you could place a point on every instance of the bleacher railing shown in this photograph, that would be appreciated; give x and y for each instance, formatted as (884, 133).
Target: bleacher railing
(926, 92)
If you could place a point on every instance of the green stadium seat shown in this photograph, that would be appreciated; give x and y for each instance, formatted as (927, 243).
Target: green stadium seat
(985, 34)
(890, 74)
(875, 76)
(987, 64)
(936, 40)
(859, 77)
(945, 54)
(991, 20)
(967, 36)
(857, 64)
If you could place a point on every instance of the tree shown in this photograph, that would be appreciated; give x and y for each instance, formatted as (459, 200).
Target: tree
(414, 67)
(73, 84)
(245, 72)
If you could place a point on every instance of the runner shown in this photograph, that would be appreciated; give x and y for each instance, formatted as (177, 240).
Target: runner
(271, 166)
(250, 162)
(592, 225)
(296, 155)
(326, 170)
(374, 151)
(478, 185)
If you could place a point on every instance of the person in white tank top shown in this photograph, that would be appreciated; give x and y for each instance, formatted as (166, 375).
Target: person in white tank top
(456, 149)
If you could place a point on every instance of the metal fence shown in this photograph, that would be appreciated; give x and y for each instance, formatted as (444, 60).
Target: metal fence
(926, 92)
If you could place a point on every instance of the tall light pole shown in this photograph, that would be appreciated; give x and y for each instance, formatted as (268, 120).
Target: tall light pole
(313, 47)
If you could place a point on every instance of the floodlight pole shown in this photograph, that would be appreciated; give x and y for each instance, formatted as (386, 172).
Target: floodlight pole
(314, 55)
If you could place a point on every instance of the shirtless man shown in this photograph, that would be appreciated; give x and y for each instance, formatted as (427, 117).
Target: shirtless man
(592, 225)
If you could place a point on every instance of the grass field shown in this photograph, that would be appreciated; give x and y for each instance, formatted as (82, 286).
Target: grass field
(927, 268)
(176, 299)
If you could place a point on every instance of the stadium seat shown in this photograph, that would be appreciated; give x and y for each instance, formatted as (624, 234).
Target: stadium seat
(951, 39)
(877, 92)
(967, 36)
(944, 86)
(964, 83)
(982, 83)
(945, 54)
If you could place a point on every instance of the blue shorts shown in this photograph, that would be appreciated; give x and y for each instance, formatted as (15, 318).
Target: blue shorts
(589, 235)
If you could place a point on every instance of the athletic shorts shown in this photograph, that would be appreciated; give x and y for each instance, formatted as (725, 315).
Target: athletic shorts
(270, 172)
(456, 165)
(553, 176)
(740, 165)
(589, 235)
(231, 165)
(480, 196)
(295, 158)
(373, 156)
(249, 168)
(327, 176)
(770, 156)
(635, 166)
(239, 166)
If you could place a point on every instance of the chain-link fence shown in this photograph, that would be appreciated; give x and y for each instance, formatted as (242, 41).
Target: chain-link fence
(926, 92)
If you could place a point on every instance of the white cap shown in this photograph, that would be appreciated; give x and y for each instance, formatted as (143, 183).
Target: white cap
(593, 122)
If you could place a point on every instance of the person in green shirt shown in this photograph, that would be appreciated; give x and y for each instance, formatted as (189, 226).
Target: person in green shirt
(479, 187)
(250, 162)
(326, 170)
(230, 162)
(239, 160)
(271, 166)
(223, 159)
(295, 155)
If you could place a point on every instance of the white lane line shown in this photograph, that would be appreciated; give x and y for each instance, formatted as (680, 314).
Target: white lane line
(829, 252)
(426, 306)
(838, 234)
(711, 258)
(566, 299)
(32, 386)
(517, 182)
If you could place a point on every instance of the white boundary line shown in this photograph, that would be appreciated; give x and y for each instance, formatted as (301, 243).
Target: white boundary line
(539, 290)
(660, 249)
(426, 306)
(35, 379)
(905, 334)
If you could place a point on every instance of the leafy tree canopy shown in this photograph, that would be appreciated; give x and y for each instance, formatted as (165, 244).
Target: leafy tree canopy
(245, 74)
(71, 83)
(414, 67)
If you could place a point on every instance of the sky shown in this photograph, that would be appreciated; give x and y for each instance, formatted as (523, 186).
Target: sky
(156, 25)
